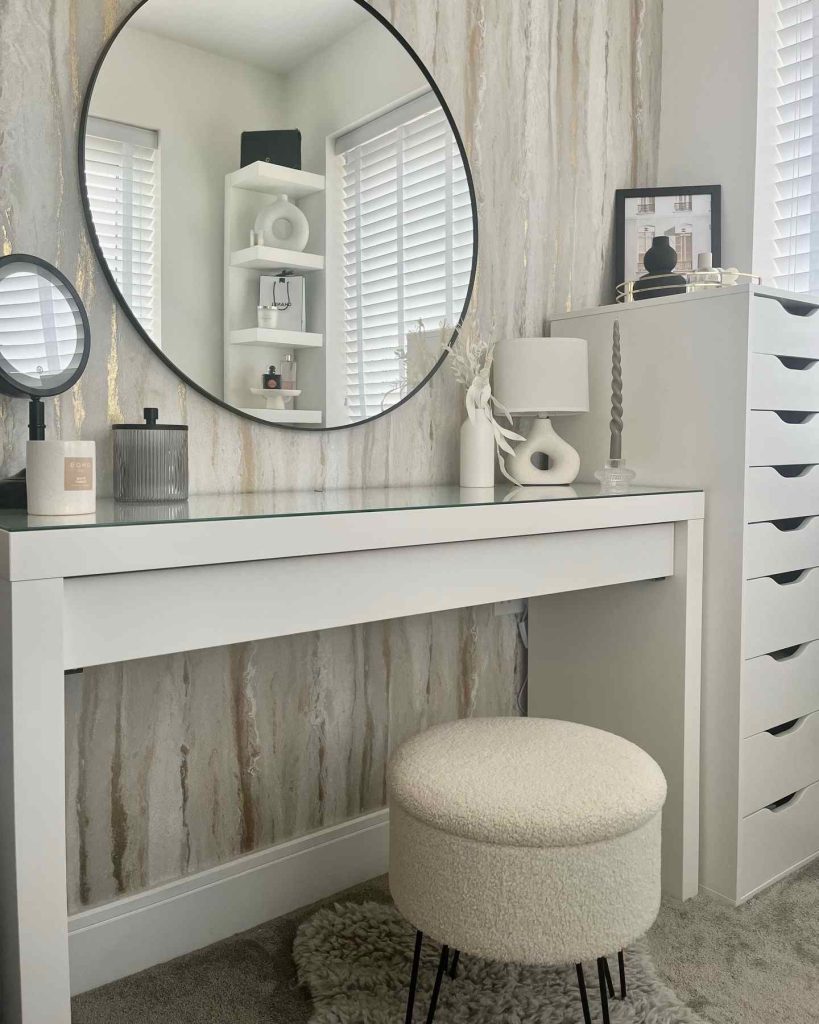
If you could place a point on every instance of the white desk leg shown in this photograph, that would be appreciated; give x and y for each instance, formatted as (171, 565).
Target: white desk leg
(33, 913)
(627, 659)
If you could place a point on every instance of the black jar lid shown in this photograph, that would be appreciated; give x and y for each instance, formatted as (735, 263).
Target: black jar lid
(151, 423)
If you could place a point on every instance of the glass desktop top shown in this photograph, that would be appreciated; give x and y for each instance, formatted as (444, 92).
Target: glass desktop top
(270, 505)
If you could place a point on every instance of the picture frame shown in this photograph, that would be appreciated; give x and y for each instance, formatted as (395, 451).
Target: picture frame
(691, 214)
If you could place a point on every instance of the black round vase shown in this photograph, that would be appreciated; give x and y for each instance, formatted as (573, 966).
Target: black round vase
(659, 260)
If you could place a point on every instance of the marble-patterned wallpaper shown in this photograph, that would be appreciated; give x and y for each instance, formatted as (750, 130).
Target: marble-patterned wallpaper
(178, 763)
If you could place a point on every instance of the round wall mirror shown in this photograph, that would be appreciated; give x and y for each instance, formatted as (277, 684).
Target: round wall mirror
(44, 335)
(281, 202)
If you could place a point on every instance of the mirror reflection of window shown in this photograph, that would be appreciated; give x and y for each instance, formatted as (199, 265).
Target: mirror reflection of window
(408, 244)
(122, 176)
(38, 326)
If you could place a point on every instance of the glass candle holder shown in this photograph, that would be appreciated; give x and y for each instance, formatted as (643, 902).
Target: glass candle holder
(615, 475)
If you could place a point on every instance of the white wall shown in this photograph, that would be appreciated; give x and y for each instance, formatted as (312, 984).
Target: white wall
(710, 110)
(200, 103)
(324, 98)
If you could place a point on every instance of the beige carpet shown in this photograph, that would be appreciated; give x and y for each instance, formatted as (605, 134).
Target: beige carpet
(755, 965)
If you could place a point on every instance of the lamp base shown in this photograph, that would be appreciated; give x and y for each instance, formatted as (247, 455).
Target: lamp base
(564, 462)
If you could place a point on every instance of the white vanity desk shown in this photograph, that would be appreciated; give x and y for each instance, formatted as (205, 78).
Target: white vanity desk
(221, 570)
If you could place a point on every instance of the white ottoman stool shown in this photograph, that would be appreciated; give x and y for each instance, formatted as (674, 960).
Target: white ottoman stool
(525, 840)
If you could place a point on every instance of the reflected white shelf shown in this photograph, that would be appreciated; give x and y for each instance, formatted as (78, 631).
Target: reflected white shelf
(265, 257)
(274, 179)
(268, 336)
(272, 392)
(286, 415)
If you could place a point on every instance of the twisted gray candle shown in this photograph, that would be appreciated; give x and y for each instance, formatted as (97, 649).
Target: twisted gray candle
(616, 445)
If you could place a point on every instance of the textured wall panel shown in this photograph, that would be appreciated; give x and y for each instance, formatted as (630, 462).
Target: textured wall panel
(179, 763)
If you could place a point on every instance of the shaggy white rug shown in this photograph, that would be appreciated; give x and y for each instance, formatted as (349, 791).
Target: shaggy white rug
(355, 958)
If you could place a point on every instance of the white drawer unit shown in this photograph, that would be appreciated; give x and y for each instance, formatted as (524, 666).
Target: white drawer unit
(775, 764)
(722, 392)
(773, 842)
(776, 442)
(784, 546)
(782, 383)
(769, 495)
(779, 615)
(777, 689)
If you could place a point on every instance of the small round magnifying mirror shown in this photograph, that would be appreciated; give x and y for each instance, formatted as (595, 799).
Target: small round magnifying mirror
(44, 334)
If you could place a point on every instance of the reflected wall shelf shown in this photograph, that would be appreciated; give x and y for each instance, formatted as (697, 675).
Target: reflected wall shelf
(283, 339)
(265, 257)
(286, 415)
(274, 179)
(248, 351)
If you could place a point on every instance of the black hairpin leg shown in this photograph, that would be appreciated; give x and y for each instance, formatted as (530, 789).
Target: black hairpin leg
(416, 961)
(584, 997)
(436, 990)
(609, 983)
(621, 963)
(453, 967)
(604, 997)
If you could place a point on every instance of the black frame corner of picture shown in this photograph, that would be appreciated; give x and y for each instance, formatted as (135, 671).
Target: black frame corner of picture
(623, 194)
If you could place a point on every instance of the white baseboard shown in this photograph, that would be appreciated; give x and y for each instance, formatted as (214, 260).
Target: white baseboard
(139, 931)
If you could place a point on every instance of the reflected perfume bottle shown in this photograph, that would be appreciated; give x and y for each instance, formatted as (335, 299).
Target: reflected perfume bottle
(289, 369)
(271, 381)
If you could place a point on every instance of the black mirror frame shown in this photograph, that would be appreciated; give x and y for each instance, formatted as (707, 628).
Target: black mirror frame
(12, 388)
(84, 115)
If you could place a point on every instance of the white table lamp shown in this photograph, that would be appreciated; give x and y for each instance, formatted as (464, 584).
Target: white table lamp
(542, 377)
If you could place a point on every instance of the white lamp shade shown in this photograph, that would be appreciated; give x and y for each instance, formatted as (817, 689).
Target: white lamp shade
(542, 375)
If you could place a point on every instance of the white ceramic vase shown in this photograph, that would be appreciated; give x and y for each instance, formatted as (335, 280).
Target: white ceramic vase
(477, 452)
(282, 225)
(61, 478)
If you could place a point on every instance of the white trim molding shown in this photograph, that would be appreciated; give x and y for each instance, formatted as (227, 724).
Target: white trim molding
(137, 932)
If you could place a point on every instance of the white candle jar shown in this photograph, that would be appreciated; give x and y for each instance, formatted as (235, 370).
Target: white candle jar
(61, 478)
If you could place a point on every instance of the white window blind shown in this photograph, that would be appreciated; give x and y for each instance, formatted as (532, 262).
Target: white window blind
(122, 178)
(797, 150)
(407, 220)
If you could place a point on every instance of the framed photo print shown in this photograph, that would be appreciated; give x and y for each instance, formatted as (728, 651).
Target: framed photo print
(689, 214)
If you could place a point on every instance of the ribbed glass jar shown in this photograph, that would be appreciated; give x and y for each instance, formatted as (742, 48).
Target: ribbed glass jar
(150, 461)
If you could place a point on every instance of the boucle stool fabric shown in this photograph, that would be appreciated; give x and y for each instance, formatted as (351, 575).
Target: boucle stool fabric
(528, 841)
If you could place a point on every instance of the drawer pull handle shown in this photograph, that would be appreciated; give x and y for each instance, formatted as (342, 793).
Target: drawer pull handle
(790, 416)
(786, 525)
(788, 652)
(796, 470)
(787, 727)
(796, 362)
(785, 801)
(785, 579)
(793, 306)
